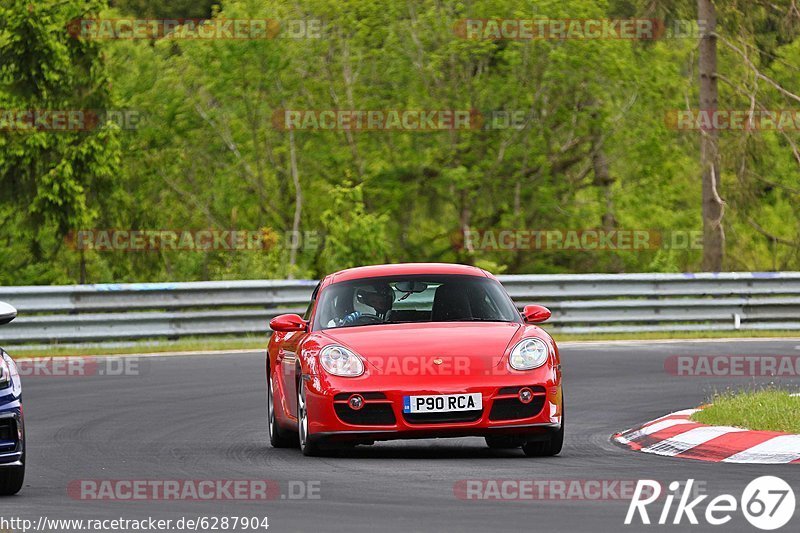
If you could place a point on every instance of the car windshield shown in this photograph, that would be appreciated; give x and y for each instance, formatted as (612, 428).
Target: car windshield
(405, 299)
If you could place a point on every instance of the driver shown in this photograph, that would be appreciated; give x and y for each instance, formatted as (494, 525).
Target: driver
(379, 297)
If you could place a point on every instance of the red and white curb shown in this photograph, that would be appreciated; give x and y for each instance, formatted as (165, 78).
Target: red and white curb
(675, 435)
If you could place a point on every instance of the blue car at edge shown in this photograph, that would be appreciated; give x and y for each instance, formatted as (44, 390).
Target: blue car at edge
(12, 428)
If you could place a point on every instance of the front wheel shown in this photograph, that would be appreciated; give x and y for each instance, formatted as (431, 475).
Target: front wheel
(546, 448)
(278, 437)
(12, 478)
(309, 447)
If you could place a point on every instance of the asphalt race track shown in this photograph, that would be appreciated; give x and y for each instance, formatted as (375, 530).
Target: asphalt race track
(203, 417)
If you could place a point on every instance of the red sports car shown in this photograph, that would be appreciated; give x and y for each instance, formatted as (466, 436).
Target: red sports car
(414, 351)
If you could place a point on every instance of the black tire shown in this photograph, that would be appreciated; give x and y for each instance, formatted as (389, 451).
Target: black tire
(503, 442)
(12, 478)
(278, 437)
(309, 446)
(546, 448)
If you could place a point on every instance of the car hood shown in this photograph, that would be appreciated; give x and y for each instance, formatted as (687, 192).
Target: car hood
(479, 341)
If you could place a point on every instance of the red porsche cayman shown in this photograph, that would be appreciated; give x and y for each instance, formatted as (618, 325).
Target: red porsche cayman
(414, 351)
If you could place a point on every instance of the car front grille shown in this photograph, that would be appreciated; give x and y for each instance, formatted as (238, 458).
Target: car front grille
(442, 418)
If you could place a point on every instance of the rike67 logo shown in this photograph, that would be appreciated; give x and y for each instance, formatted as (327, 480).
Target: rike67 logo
(768, 503)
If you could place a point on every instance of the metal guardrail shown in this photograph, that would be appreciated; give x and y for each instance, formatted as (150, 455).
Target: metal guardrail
(594, 303)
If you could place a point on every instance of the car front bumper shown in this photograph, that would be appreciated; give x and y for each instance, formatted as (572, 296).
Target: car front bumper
(382, 416)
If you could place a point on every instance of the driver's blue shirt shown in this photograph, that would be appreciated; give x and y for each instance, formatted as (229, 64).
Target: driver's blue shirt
(346, 320)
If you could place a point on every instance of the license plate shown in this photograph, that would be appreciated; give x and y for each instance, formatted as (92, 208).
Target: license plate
(443, 403)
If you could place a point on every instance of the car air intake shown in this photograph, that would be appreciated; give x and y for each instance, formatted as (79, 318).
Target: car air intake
(371, 414)
(442, 418)
(514, 409)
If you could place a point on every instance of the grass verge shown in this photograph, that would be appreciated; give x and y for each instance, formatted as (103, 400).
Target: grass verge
(183, 345)
(769, 410)
(674, 335)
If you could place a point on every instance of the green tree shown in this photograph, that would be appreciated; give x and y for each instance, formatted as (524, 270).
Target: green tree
(353, 236)
(51, 182)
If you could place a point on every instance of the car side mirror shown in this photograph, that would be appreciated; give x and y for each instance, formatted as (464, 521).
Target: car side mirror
(290, 322)
(7, 313)
(536, 314)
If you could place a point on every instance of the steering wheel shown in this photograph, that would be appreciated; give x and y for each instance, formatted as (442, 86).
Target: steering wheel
(368, 319)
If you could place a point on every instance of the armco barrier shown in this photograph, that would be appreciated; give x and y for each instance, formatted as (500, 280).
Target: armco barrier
(584, 303)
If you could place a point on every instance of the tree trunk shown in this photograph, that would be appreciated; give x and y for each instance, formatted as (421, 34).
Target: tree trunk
(467, 256)
(603, 179)
(83, 268)
(298, 206)
(713, 206)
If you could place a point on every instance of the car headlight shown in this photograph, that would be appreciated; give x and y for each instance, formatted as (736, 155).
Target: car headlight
(340, 361)
(5, 372)
(529, 354)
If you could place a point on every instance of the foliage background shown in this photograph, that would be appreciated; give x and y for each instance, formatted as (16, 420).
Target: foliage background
(595, 151)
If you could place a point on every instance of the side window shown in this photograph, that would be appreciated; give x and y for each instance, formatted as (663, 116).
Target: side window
(307, 315)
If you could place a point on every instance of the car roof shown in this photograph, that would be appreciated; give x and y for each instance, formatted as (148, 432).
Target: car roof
(407, 269)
